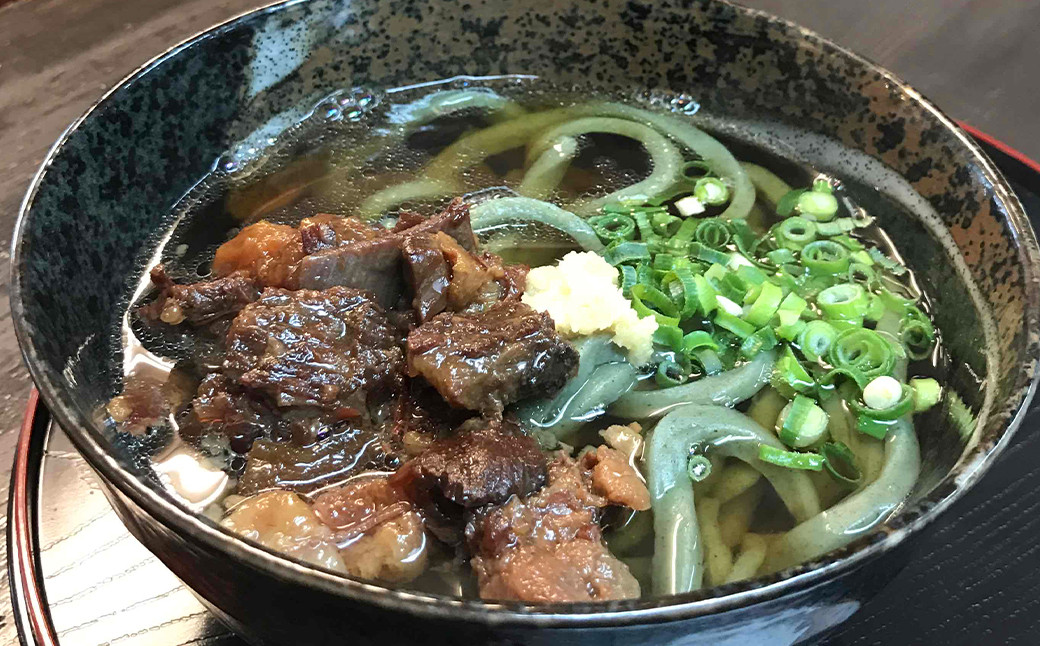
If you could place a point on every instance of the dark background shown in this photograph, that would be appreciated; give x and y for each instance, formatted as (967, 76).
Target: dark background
(979, 60)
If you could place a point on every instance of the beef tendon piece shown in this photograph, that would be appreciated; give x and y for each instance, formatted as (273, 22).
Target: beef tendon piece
(445, 276)
(283, 522)
(487, 360)
(548, 547)
(199, 303)
(268, 253)
(333, 349)
(304, 469)
(484, 462)
(379, 533)
(614, 478)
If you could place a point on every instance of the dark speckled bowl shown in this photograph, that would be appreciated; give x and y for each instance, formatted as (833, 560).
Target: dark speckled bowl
(107, 188)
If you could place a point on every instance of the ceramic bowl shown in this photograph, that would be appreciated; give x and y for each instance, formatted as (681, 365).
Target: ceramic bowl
(106, 190)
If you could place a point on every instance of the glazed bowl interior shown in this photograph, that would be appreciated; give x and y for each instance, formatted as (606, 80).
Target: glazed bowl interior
(107, 190)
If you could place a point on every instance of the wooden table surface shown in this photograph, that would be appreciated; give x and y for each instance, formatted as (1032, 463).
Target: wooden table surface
(977, 59)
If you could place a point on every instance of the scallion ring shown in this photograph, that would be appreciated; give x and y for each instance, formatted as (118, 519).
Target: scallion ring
(613, 227)
(790, 459)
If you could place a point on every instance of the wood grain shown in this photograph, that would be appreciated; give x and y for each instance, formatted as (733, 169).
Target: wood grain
(977, 59)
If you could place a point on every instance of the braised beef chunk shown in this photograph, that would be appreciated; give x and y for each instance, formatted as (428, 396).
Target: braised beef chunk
(421, 417)
(340, 453)
(332, 349)
(485, 461)
(548, 547)
(268, 253)
(512, 279)
(453, 220)
(372, 265)
(443, 275)
(428, 274)
(377, 264)
(221, 408)
(488, 360)
(199, 303)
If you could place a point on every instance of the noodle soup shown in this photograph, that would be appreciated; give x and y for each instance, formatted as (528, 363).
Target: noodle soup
(506, 341)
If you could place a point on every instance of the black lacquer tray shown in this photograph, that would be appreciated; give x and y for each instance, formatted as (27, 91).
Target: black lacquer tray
(78, 578)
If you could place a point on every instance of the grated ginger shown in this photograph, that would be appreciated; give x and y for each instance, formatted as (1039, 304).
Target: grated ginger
(582, 296)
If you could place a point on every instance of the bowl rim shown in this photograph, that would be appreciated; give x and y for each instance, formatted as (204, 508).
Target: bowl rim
(189, 525)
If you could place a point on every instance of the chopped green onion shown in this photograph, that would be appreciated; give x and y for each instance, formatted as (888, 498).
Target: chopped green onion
(765, 306)
(886, 262)
(862, 351)
(696, 340)
(822, 185)
(665, 225)
(687, 230)
(861, 273)
(836, 227)
(794, 233)
(737, 326)
(789, 376)
(849, 243)
(681, 284)
(751, 275)
(786, 205)
(647, 300)
(874, 427)
(707, 254)
(670, 336)
(762, 340)
(628, 279)
(698, 467)
(627, 252)
(917, 333)
(613, 227)
(841, 463)
(816, 339)
(663, 261)
(845, 301)
(791, 325)
(780, 256)
(790, 312)
(790, 459)
(670, 373)
(711, 190)
(801, 423)
(713, 232)
(707, 295)
(646, 228)
(689, 205)
(709, 360)
(897, 406)
(817, 205)
(825, 258)
(926, 393)
(875, 310)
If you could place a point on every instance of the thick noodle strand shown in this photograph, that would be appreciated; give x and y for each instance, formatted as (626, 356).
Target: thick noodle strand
(861, 511)
(678, 550)
(667, 162)
(726, 389)
(505, 210)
